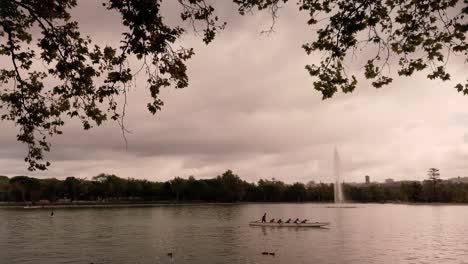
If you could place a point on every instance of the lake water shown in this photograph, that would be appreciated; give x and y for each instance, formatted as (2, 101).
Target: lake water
(370, 233)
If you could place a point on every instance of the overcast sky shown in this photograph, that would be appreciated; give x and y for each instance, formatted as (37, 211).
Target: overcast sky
(251, 107)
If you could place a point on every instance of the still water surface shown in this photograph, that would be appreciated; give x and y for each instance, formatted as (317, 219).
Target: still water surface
(220, 234)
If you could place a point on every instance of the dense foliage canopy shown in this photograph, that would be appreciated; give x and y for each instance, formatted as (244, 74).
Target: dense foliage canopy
(227, 187)
(54, 72)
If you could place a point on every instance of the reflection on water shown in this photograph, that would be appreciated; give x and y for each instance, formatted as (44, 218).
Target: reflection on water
(221, 234)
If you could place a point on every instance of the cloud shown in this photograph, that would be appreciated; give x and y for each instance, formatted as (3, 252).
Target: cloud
(251, 107)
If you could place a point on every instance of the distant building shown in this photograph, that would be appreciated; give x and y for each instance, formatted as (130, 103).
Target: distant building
(389, 180)
(367, 179)
(458, 180)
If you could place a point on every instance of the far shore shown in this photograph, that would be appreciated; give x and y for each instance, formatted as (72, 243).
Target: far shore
(93, 204)
(113, 204)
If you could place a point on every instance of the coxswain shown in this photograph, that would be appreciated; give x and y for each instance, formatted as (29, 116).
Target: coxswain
(264, 218)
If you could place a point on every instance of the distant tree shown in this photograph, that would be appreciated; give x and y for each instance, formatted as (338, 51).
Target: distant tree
(114, 187)
(434, 174)
(51, 189)
(55, 73)
(321, 192)
(72, 186)
(434, 178)
(17, 185)
(295, 192)
(4, 179)
(4, 187)
(167, 189)
(232, 187)
(27, 186)
(411, 191)
(197, 189)
(273, 191)
(178, 186)
(134, 188)
(227, 187)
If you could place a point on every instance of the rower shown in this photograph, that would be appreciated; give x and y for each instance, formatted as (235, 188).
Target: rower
(296, 221)
(304, 221)
(280, 221)
(264, 218)
(288, 221)
(272, 220)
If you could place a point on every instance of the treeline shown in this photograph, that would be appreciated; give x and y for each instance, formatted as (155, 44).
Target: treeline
(227, 187)
(424, 192)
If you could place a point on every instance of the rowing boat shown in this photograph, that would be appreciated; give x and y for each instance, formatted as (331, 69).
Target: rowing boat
(316, 224)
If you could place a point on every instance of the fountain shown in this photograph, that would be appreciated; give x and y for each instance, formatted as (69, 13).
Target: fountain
(338, 186)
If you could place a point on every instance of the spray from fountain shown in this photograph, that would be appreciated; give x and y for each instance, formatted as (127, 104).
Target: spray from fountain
(338, 186)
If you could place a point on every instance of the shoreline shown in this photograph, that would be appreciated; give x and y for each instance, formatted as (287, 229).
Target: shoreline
(91, 204)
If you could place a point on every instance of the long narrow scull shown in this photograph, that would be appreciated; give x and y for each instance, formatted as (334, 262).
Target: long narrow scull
(316, 224)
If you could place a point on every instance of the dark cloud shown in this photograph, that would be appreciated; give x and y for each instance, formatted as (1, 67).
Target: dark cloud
(251, 108)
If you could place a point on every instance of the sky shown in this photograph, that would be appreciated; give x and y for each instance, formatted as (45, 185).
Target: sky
(251, 107)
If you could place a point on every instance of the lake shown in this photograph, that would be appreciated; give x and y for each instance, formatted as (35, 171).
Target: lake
(370, 233)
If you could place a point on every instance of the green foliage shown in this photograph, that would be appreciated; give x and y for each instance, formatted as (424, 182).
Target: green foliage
(87, 78)
(434, 174)
(295, 192)
(419, 34)
(446, 192)
(82, 80)
(26, 186)
(434, 178)
(227, 187)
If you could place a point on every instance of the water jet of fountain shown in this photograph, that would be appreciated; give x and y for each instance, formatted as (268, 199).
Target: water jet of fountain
(338, 186)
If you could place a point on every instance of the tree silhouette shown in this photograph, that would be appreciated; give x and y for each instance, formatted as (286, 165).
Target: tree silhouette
(227, 187)
(419, 35)
(178, 185)
(83, 80)
(434, 177)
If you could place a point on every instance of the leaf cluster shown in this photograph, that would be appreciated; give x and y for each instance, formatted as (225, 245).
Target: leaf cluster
(78, 79)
